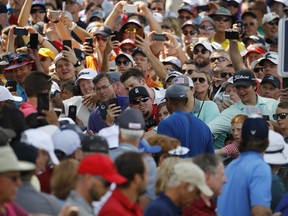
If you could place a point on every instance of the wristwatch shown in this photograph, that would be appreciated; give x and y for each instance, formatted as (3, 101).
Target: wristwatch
(77, 64)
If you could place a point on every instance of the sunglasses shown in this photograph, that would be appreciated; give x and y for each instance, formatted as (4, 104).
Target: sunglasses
(220, 59)
(192, 32)
(224, 19)
(189, 71)
(249, 24)
(257, 70)
(127, 50)
(273, 23)
(33, 11)
(281, 115)
(137, 101)
(224, 74)
(204, 27)
(125, 62)
(196, 51)
(158, 9)
(98, 38)
(184, 17)
(200, 79)
(131, 30)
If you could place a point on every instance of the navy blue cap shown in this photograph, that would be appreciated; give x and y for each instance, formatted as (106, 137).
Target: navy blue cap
(273, 80)
(243, 77)
(255, 38)
(254, 128)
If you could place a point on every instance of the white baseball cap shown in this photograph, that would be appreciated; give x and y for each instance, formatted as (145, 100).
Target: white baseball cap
(67, 141)
(6, 95)
(269, 17)
(271, 56)
(87, 74)
(40, 140)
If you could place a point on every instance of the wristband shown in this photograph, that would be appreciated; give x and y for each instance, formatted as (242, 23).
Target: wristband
(73, 26)
(77, 64)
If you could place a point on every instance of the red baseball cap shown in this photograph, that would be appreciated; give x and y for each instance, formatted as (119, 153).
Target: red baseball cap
(252, 48)
(101, 165)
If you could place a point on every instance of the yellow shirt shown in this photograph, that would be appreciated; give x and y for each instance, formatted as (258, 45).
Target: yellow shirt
(225, 45)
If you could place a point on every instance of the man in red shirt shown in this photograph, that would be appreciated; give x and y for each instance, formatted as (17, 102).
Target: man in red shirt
(123, 201)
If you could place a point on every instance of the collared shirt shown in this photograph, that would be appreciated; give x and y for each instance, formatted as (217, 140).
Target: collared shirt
(118, 204)
(21, 92)
(249, 184)
(162, 206)
(75, 199)
(222, 124)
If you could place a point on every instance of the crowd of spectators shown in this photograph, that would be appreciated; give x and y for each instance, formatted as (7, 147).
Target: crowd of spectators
(148, 107)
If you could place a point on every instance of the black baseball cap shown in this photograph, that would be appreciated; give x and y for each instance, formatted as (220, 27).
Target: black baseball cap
(243, 77)
(138, 91)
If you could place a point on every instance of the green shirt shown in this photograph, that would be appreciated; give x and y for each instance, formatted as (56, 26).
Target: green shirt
(222, 124)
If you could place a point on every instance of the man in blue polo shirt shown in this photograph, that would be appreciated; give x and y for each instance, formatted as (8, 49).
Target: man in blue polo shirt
(183, 125)
(248, 189)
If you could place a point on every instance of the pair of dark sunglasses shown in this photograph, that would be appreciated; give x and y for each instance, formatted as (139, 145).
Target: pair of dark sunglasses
(200, 79)
(224, 74)
(281, 115)
(257, 70)
(33, 11)
(196, 51)
(220, 59)
(125, 62)
(189, 71)
(137, 101)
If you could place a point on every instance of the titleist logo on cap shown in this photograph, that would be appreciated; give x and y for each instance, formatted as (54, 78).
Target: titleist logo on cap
(237, 77)
(83, 73)
(269, 56)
